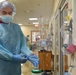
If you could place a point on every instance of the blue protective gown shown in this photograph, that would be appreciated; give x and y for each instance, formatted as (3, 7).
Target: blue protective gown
(12, 42)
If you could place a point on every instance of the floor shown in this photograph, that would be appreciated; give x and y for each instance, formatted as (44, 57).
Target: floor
(27, 67)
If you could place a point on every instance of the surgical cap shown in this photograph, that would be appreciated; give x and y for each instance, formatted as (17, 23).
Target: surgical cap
(8, 4)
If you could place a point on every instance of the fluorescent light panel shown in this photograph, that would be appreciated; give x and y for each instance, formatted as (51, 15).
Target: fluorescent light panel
(33, 19)
(20, 24)
(65, 22)
(35, 22)
(2, 0)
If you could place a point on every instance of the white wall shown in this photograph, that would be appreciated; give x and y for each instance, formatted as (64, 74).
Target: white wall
(74, 34)
(56, 4)
(26, 29)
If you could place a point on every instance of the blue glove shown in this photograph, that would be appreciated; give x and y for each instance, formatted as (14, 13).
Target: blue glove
(33, 59)
(20, 58)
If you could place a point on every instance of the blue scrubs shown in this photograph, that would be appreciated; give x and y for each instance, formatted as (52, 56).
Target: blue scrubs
(12, 42)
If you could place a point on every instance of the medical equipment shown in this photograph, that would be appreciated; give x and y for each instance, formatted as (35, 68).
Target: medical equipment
(43, 42)
(71, 48)
(66, 73)
(36, 71)
(66, 33)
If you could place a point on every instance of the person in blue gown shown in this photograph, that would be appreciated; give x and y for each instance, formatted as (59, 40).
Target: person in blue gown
(13, 49)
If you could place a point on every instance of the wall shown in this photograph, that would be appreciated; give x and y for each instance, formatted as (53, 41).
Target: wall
(28, 28)
(74, 35)
(56, 4)
(55, 7)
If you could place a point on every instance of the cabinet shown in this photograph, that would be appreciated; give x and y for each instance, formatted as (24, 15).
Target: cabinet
(45, 60)
(66, 63)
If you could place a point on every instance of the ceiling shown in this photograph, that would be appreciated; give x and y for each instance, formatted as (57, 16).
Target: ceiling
(26, 9)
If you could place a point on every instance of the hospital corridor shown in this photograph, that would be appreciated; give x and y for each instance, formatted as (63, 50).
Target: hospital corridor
(37, 37)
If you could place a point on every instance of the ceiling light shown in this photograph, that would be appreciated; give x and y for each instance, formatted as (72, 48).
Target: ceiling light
(20, 24)
(65, 22)
(21, 64)
(2, 0)
(36, 25)
(35, 22)
(33, 19)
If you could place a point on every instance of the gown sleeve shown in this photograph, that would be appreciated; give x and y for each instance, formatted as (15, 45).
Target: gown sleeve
(24, 49)
(5, 54)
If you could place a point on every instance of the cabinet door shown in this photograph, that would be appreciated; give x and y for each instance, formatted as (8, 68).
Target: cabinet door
(66, 63)
(48, 61)
(45, 60)
(41, 60)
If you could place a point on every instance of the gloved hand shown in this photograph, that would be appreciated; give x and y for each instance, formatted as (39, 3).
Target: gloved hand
(19, 58)
(33, 59)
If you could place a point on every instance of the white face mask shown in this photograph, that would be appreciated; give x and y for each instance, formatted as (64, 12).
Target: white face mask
(6, 18)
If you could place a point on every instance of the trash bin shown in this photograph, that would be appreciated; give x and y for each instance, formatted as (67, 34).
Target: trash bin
(36, 72)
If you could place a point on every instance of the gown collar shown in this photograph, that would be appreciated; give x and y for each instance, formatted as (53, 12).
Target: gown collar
(3, 22)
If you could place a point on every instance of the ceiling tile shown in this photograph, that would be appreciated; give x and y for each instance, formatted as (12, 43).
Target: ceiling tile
(32, 8)
(37, 0)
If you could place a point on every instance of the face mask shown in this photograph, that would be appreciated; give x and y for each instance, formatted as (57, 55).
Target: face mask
(6, 18)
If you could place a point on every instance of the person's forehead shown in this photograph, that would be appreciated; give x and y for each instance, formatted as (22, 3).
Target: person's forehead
(6, 9)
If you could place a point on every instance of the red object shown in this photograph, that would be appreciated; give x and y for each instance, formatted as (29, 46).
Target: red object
(71, 48)
(66, 5)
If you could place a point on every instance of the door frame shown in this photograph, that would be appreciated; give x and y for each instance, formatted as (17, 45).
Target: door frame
(35, 31)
